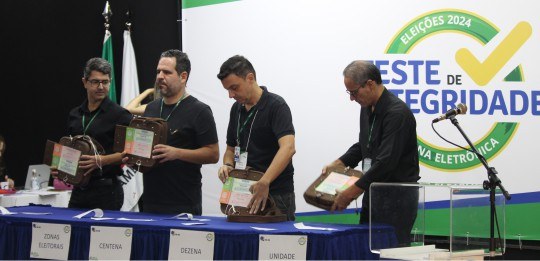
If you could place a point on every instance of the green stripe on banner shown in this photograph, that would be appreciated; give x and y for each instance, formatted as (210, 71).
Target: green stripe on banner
(197, 3)
(519, 218)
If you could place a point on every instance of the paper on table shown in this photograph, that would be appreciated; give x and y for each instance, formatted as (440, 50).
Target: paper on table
(188, 216)
(136, 219)
(4, 211)
(98, 213)
(101, 218)
(193, 223)
(302, 226)
(263, 228)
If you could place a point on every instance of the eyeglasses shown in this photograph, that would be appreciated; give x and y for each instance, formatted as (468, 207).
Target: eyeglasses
(96, 83)
(355, 92)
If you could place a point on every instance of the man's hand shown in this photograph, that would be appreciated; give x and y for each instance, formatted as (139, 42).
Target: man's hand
(163, 153)
(345, 197)
(260, 195)
(334, 164)
(54, 172)
(90, 163)
(223, 172)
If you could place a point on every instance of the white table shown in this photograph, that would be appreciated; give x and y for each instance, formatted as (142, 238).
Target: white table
(42, 196)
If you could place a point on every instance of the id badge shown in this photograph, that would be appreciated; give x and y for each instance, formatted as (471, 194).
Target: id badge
(242, 163)
(236, 153)
(366, 164)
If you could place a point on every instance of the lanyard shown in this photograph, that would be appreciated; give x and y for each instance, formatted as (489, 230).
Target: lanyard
(371, 131)
(241, 129)
(178, 102)
(90, 122)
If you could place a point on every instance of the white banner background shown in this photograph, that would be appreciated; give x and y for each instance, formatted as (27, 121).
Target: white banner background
(299, 50)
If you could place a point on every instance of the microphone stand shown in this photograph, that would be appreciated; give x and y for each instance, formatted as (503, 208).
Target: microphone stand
(491, 184)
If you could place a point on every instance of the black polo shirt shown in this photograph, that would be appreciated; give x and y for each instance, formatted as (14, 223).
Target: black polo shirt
(191, 126)
(271, 120)
(101, 128)
(393, 146)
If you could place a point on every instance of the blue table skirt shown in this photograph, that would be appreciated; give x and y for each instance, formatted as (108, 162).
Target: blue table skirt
(233, 241)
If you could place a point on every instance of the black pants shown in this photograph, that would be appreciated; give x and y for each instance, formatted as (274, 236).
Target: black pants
(102, 193)
(395, 206)
(285, 203)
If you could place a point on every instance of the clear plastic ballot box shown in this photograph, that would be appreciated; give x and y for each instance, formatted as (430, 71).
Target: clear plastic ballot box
(456, 215)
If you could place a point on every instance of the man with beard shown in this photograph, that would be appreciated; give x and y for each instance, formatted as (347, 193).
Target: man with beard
(174, 184)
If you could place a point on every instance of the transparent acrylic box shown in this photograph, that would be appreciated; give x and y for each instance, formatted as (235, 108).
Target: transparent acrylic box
(459, 218)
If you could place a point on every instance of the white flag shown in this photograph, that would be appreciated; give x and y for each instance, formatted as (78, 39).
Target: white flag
(132, 183)
(130, 81)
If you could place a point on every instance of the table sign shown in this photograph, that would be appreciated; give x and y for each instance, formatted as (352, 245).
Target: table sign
(110, 243)
(191, 245)
(282, 247)
(50, 241)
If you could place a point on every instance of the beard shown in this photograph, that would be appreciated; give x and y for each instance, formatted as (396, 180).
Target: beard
(165, 91)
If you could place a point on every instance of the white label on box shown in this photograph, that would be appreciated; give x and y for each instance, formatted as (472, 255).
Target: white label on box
(139, 142)
(50, 241)
(69, 160)
(110, 243)
(282, 247)
(191, 245)
(241, 195)
(335, 181)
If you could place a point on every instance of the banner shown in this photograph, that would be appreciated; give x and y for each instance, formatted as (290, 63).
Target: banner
(433, 55)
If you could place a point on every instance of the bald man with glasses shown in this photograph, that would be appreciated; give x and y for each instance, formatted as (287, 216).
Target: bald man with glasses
(387, 148)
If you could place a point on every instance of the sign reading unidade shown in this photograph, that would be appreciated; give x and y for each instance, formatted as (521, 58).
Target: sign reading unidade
(282, 247)
(110, 243)
(50, 241)
(191, 245)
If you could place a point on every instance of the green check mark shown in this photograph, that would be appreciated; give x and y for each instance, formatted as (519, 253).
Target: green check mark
(483, 73)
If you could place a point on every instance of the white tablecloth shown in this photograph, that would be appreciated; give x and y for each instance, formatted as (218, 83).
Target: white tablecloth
(43, 196)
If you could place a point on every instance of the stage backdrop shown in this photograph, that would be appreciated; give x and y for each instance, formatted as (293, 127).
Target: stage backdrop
(432, 54)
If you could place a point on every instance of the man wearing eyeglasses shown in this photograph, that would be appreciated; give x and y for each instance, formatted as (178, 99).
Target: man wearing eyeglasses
(387, 148)
(97, 117)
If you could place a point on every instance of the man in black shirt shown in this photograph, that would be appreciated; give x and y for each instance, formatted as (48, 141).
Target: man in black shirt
(260, 135)
(387, 146)
(174, 185)
(97, 117)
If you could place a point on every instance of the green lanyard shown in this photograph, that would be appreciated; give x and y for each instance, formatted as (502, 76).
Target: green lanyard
(241, 129)
(178, 102)
(85, 128)
(371, 131)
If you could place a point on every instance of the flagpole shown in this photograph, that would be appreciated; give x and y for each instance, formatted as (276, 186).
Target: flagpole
(107, 52)
(179, 22)
(107, 13)
(128, 21)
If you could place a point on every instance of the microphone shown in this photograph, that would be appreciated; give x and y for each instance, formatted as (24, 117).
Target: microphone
(459, 109)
